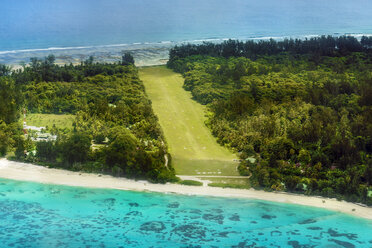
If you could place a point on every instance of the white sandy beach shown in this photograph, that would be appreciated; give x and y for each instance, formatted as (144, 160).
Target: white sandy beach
(34, 173)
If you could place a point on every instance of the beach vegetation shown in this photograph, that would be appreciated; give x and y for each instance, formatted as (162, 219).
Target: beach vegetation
(127, 59)
(230, 185)
(191, 183)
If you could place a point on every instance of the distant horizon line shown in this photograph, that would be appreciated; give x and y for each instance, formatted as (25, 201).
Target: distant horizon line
(172, 43)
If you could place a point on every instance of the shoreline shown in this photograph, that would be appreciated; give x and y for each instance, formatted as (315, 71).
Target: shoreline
(39, 174)
(145, 53)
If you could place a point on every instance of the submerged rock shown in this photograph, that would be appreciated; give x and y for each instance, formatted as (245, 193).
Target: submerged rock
(268, 217)
(191, 231)
(173, 205)
(153, 226)
(307, 221)
(235, 217)
(214, 217)
(343, 243)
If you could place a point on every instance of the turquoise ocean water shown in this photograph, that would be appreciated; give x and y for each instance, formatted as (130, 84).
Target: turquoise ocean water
(42, 215)
(74, 29)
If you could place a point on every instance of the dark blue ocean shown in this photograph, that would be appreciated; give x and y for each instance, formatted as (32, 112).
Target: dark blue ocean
(103, 27)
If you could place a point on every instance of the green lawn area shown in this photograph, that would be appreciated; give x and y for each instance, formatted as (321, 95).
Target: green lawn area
(193, 148)
(44, 120)
(239, 182)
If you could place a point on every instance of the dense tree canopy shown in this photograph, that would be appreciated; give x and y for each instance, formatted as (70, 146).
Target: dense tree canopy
(10, 100)
(316, 47)
(299, 123)
(115, 130)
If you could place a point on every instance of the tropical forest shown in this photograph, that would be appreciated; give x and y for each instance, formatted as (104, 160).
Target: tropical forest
(113, 130)
(298, 112)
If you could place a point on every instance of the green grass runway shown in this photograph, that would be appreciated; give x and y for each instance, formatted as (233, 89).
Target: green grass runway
(193, 148)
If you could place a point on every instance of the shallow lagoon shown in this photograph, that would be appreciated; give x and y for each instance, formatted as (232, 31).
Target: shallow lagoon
(41, 215)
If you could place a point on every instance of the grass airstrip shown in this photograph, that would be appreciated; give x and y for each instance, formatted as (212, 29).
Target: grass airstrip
(193, 148)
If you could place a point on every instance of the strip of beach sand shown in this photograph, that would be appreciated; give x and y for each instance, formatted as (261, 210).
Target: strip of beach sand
(34, 173)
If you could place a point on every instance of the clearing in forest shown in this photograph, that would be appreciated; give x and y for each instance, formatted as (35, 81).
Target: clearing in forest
(193, 148)
(48, 120)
